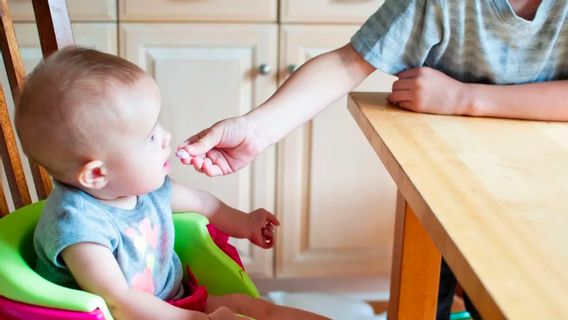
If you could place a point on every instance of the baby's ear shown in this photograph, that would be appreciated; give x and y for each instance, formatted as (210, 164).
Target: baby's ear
(93, 175)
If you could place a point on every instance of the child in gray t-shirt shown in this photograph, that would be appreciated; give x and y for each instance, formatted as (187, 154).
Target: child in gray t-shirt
(91, 119)
(489, 58)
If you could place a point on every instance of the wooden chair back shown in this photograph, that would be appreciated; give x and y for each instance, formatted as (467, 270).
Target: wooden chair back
(54, 28)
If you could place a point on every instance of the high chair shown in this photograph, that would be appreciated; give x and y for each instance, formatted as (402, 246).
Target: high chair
(23, 293)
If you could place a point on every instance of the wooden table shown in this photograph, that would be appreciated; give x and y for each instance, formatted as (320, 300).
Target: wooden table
(490, 195)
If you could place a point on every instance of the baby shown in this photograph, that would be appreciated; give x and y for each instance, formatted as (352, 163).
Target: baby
(91, 120)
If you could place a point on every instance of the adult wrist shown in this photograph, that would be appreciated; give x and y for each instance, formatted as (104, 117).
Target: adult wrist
(260, 128)
(469, 100)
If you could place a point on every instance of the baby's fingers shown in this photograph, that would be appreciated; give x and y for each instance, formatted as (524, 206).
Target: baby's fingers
(267, 233)
(272, 220)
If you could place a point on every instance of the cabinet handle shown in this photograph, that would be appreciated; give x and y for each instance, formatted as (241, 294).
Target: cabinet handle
(264, 69)
(291, 68)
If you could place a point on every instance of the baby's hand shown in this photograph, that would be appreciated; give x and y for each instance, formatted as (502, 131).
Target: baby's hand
(261, 226)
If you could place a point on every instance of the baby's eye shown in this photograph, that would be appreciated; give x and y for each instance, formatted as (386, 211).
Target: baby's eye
(152, 138)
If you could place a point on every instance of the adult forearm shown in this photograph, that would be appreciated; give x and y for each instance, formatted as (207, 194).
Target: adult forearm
(537, 101)
(313, 87)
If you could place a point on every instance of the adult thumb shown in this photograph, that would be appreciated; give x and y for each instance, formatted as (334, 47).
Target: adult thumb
(205, 141)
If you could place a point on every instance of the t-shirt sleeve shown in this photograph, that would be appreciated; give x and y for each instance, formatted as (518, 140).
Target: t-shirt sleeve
(72, 225)
(400, 35)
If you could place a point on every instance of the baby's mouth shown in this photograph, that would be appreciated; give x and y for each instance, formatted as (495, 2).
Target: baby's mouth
(167, 165)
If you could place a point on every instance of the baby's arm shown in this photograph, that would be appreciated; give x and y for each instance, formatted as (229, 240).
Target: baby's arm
(431, 91)
(95, 269)
(257, 226)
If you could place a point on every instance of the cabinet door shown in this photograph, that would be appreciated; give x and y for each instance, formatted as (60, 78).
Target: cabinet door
(79, 10)
(101, 36)
(332, 11)
(207, 72)
(336, 200)
(204, 10)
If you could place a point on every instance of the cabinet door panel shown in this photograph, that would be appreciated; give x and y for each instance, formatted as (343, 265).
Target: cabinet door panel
(207, 72)
(101, 36)
(336, 200)
(79, 10)
(331, 11)
(205, 10)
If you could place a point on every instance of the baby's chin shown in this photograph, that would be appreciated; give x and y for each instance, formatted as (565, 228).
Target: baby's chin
(141, 189)
(155, 186)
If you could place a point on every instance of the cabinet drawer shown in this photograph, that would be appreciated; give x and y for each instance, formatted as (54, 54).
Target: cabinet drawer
(204, 10)
(332, 11)
(79, 10)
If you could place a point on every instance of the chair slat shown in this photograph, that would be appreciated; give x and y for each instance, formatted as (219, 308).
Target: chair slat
(10, 52)
(4, 210)
(11, 158)
(53, 24)
(16, 74)
(54, 28)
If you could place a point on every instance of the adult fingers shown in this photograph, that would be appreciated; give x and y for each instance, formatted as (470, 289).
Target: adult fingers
(202, 142)
(197, 163)
(211, 169)
(410, 73)
(401, 96)
(219, 159)
(407, 105)
(403, 84)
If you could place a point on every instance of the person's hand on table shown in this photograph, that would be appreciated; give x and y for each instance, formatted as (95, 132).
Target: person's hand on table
(427, 90)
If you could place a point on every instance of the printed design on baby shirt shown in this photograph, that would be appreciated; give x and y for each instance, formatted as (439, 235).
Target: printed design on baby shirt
(146, 236)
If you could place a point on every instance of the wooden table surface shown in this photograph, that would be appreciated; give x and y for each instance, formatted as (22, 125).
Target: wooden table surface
(492, 194)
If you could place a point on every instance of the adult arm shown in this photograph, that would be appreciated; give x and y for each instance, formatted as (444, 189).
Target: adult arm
(430, 91)
(231, 144)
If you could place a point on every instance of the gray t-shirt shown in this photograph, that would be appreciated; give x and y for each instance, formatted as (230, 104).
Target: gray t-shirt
(480, 41)
(141, 239)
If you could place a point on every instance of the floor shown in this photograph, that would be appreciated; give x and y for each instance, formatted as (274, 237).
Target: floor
(382, 306)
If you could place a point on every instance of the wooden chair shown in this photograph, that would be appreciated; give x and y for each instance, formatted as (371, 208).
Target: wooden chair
(23, 293)
(55, 32)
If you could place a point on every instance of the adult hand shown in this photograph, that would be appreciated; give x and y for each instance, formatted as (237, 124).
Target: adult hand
(261, 226)
(429, 91)
(222, 149)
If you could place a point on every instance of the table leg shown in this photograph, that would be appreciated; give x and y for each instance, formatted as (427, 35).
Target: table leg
(415, 270)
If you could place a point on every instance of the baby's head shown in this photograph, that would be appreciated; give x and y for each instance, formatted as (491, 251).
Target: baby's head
(91, 119)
